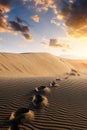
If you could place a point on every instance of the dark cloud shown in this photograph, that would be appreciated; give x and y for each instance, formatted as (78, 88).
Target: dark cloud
(54, 43)
(57, 44)
(20, 26)
(75, 15)
(5, 2)
(73, 12)
(27, 36)
(5, 6)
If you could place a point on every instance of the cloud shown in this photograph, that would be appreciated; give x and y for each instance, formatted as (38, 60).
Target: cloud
(14, 26)
(54, 21)
(5, 6)
(35, 18)
(74, 13)
(55, 44)
(43, 5)
(20, 26)
(3, 22)
(44, 41)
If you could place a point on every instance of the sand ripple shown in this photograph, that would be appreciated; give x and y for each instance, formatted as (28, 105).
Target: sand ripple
(67, 108)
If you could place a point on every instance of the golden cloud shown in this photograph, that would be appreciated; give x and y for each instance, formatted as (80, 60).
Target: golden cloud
(75, 15)
(73, 12)
(35, 18)
(5, 6)
(43, 4)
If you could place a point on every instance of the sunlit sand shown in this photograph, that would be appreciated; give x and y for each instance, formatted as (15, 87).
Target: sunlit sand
(61, 84)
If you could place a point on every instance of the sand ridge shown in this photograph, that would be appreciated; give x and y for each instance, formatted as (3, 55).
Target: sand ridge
(35, 64)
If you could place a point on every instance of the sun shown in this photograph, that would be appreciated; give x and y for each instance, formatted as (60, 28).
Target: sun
(80, 47)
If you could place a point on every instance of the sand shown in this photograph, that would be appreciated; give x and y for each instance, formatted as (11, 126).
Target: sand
(67, 108)
(31, 65)
(80, 65)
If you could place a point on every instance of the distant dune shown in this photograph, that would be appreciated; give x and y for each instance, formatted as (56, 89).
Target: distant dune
(80, 65)
(35, 64)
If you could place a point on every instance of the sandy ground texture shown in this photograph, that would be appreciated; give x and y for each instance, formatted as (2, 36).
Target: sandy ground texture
(36, 64)
(62, 104)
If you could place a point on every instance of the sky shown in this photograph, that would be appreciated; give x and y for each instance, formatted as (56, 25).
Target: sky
(54, 26)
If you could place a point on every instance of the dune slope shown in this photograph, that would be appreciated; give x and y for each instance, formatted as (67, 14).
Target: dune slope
(36, 64)
(20, 74)
(80, 65)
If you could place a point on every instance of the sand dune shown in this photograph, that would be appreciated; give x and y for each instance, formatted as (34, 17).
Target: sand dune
(36, 64)
(80, 65)
(21, 74)
(67, 109)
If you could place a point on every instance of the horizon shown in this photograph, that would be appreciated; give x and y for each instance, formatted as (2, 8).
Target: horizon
(50, 26)
(62, 57)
